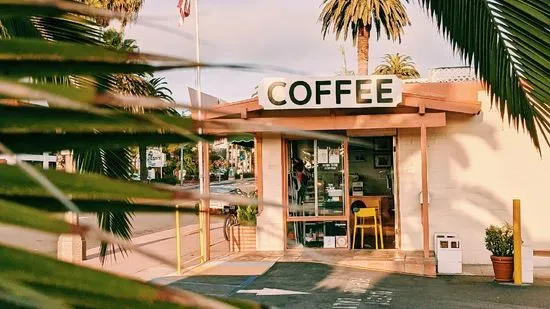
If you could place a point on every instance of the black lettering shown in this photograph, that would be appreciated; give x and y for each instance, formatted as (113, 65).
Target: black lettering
(340, 91)
(293, 97)
(359, 91)
(319, 92)
(270, 93)
(380, 91)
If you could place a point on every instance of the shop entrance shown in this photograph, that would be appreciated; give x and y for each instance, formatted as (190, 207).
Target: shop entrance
(372, 185)
(326, 185)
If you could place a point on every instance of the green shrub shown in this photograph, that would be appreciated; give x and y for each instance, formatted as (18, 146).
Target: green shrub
(246, 215)
(500, 240)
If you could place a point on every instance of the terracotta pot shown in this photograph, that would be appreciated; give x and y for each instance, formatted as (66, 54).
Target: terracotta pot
(503, 267)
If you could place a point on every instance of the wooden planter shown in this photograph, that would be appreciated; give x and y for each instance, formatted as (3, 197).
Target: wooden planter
(242, 238)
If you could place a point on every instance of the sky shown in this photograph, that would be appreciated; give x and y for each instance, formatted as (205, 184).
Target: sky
(282, 33)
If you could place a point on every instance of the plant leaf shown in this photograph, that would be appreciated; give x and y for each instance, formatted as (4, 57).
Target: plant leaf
(507, 43)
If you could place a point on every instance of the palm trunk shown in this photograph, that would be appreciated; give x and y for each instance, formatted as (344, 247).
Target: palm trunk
(363, 51)
(143, 163)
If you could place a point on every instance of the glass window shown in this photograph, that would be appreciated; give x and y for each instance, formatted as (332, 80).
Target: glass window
(330, 178)
(301, 178)
(315, 178)
(330, 234)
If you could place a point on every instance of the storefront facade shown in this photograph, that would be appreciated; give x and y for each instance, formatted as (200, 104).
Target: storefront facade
(444, 139)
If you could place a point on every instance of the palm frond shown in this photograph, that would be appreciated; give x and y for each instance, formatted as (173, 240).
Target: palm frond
(507, 44)
(83, 287)
(400, 65)
(342, 16)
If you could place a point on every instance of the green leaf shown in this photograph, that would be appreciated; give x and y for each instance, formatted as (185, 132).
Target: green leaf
(507, 44)
(51, 142)
(20, 295)
(79, 286)
(92, 206)
(20, 215)
(15, 182)
(38, 119)
(19, 8)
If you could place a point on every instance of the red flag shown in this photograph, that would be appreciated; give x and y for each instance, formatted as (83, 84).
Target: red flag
(184, 9)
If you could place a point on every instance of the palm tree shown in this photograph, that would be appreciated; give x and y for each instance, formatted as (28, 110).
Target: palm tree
(360, 16)
(128, 7)
(400, 65)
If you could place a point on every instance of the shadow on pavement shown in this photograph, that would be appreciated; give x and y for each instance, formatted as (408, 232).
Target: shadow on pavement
(313, 285)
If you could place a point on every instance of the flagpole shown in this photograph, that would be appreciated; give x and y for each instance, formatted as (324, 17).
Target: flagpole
(204, 176)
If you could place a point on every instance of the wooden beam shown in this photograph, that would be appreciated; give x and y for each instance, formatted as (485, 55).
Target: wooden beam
(425, 220)
(379, 121)
(235, 108)
(440, 103)
(372, 132)
(545, 253)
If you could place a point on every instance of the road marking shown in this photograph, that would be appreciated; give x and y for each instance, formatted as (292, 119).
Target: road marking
(347, 303)
(357, 286)
(241, 286)
(271, 292)
(380, 297)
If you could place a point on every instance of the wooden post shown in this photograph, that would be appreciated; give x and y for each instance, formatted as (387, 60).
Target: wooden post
(347, 205)
(517, 243)
(204, 207)
(178, 242)
(425, 220)
(258, 170)
(70, 247)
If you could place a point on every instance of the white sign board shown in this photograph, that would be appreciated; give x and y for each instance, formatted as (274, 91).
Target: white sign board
(155, 158)
(330, 92)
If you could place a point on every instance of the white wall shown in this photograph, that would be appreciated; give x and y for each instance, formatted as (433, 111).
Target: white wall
(270, 234)
(476, 166)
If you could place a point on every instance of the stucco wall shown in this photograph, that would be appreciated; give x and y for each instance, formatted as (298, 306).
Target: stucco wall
(270, 234)
(476, 166)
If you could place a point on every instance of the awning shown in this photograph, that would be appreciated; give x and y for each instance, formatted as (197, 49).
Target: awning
(244, 139)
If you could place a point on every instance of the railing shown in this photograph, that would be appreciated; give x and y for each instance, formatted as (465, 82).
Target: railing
(447, 75)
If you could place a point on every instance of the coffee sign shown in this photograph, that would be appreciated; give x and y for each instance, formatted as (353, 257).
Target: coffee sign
(331, 92)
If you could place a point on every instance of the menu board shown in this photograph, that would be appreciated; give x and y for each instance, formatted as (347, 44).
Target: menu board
(334, 156)
(322, 155)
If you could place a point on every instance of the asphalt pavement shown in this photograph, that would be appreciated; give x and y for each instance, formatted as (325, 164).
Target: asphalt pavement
(311, 285)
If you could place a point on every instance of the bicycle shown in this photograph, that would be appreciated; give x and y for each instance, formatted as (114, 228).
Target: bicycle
(231, 213)
(230, 220)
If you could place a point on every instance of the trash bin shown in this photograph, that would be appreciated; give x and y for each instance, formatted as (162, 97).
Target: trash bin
(449, 255)
(526, 264)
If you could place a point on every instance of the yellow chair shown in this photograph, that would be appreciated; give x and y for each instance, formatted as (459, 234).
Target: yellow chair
(361, 218)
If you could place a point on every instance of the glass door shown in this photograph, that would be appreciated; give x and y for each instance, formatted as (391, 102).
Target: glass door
(316, 194)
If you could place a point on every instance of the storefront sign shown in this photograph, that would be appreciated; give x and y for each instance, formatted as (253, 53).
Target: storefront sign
(330, 92)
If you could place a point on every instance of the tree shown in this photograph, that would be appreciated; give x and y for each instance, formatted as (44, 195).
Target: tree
(359, 16)
(400, 65)
(128, 7)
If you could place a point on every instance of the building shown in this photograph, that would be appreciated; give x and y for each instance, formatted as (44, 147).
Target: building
(437, 142)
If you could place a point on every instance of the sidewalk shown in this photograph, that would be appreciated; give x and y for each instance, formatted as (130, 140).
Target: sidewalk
(137, 266)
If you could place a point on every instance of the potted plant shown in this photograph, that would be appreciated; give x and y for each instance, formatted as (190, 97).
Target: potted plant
(500, 241)
(243, 235)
